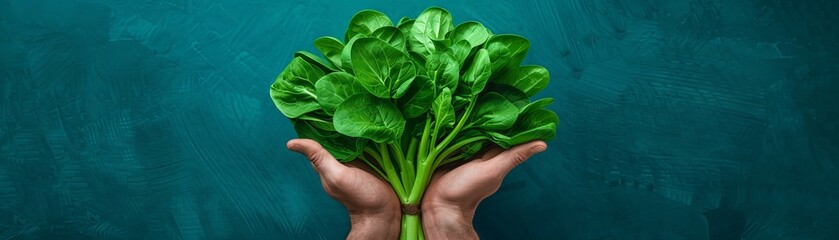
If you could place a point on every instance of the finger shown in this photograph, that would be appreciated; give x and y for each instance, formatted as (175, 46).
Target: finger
(492, 152)
(324, 163)
(507, 160)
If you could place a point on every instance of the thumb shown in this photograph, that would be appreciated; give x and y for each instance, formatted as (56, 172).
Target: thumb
(324, 163)
(510, 158)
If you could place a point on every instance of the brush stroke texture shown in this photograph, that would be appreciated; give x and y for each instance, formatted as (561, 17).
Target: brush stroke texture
(683, 119)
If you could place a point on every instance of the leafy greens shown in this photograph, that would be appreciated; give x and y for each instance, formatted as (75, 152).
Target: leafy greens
(410, 97)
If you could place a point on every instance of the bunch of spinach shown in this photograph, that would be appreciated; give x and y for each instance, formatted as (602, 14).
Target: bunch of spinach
(409, 97)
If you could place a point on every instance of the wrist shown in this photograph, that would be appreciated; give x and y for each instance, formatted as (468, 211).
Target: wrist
(374, 226)
(448, 221)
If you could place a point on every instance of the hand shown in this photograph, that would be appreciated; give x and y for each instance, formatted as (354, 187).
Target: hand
(374, 208)
(453, 195)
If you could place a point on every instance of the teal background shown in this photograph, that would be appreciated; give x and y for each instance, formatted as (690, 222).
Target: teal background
(680, 119)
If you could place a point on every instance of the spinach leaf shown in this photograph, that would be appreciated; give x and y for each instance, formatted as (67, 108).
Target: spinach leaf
(366, 116)
(529, 79)
(342, 147)
(331, 48)
(365, 23)
(472, 32)
(535, 125)
(535, 105)
(460, 51)
(418, 98)
(443, 110)
(392, 36)
(299, 68)
(432, 24)
(319, 119)
(382, 69)
(443, 70)
(506, 51)
(336, 87)
(412, 45)
(494, 112)
(316, 61)
(294, 97)
(293, 92)
(478, 74)
(346, 53)
(512, 94)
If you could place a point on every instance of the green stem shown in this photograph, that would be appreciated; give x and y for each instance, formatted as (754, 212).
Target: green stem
(457, 146)
(411, 225)
(423, 175)
(374, 154)
(391, 173)
(373, 166)
(452, 159)
(409, 161)
(423, 145)
(406, 170)
(457, 128)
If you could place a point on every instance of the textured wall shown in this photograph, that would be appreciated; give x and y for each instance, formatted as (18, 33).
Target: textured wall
(680, 119)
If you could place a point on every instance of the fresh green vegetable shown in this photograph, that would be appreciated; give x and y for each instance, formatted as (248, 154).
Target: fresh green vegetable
(408, 98)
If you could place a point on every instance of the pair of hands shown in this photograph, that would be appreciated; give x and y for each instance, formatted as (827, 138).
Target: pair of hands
(449, 202)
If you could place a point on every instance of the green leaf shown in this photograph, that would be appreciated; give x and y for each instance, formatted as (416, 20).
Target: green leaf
(365, 23)
(443, 70)
(299, 68)
(293, 92)
(473, 32)
(392, 36)
(366, 116)
(460, 51)
(538, 104)
(419, 59)
(432, 24)
(506, 51)
(403, 20)
(443, 110)
(331, 48)
(382, 69)
(336, 87)
(346, 54)
(343, 148)
(493, 112)
(419, 97)
(536, 125)
(441, 45)
(412, 45)
(529, 79)
(478, 73)
(294, 97)
(512, 94)
(319, 119)
(459, 100)
(316, 61)
(474, 147)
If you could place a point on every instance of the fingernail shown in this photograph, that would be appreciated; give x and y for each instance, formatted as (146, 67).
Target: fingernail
(537, 149)
(292, 146)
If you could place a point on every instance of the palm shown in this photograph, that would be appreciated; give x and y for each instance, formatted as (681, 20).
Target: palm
(359, 188)
(355, 185)
(467, 183)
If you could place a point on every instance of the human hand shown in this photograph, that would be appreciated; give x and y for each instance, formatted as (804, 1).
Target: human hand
(374, 208)
(449, 203)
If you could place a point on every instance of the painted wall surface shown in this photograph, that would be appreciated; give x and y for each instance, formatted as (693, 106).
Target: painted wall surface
(680, 119)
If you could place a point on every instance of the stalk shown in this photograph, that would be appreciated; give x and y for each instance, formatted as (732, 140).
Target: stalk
(413, 226)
